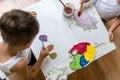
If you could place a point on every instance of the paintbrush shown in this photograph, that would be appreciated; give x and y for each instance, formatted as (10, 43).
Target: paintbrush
(80, 9)
(43, 38)
(63, 4)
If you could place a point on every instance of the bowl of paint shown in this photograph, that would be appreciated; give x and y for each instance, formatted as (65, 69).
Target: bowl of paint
(68, 10)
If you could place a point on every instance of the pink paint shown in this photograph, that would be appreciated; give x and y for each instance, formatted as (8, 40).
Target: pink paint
(84, 19)
(80, 47)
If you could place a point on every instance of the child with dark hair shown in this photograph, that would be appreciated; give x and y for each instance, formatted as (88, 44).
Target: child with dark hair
(18, 30)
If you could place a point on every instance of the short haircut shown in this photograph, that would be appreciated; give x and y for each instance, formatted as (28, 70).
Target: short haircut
(18, 27)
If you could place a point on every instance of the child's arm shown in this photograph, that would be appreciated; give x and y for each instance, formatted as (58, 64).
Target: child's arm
(114, 25)
(44, 52)
(24, 72)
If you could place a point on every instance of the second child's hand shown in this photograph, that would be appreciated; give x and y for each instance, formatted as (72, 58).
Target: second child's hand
(84, 1)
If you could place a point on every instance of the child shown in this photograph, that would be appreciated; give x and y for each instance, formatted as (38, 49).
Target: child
(18, 30)
(108, 10)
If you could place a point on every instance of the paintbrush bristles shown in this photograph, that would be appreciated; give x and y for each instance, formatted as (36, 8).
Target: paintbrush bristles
(80, 9)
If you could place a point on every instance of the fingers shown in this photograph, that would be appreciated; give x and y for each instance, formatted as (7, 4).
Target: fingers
(84, 1)
(33, 13)
(111, 37)
(45, 51)
(50, 47)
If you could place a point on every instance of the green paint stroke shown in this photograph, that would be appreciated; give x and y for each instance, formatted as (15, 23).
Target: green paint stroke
(75, 64)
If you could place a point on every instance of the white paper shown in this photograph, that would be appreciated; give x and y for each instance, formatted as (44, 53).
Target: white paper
(61, 36)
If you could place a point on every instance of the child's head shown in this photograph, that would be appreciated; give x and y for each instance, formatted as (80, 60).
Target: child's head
(18, 27)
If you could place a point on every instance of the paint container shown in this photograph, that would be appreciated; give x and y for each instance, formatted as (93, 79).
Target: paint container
(53, 55)
(68, 10)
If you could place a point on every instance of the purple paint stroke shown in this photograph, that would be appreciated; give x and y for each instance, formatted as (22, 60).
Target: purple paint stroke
(85, 20)
(43, 38)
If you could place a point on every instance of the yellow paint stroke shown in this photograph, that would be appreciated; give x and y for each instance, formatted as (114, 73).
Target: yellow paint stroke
(90, 53)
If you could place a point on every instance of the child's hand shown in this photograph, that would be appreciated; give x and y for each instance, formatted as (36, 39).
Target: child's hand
(118, 1)
(45, 51)
(111, 36)
(33, 13)
(84, 1)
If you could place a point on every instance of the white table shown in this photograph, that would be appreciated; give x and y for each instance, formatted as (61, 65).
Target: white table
(55, 26)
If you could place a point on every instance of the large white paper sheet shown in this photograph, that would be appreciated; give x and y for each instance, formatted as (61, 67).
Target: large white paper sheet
(56, 28)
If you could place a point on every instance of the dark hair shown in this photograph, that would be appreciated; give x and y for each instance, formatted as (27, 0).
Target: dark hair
(18, 27)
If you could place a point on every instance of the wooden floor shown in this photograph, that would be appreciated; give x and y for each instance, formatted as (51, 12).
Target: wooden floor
(6, 5)
(105, 68)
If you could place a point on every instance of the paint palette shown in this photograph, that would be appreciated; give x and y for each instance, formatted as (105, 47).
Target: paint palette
(83, 54)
